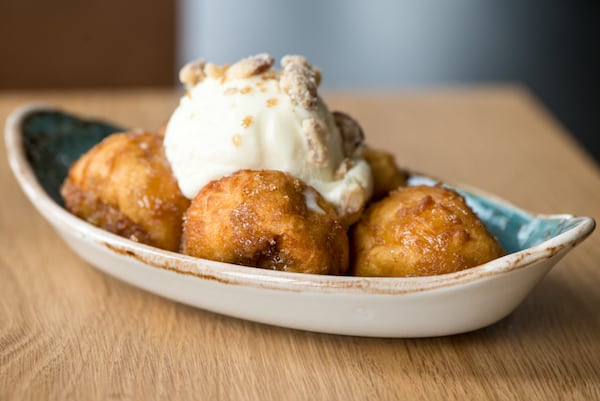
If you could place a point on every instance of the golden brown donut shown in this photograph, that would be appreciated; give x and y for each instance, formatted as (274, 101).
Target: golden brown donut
(387, 176)
(125, 185)
(266, 219)
(421, 231)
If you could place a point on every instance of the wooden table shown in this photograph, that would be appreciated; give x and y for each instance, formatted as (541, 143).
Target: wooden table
(68, 331)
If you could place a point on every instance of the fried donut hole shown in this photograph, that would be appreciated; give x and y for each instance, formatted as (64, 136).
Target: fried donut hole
(266, 219)
(125, 185)
(421, 231)
(387, 176)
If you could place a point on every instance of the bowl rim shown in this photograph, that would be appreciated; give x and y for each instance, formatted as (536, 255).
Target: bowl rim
(226, 273)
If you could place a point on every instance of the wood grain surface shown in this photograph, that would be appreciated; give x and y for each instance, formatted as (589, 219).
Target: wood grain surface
(68, 331)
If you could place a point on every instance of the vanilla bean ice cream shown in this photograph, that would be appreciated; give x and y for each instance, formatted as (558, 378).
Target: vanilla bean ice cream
(252, 116)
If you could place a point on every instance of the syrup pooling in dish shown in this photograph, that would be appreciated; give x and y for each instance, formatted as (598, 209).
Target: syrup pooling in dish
(275, 180)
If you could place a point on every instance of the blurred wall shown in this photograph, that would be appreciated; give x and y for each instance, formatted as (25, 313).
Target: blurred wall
(551, 46)
(90, 43)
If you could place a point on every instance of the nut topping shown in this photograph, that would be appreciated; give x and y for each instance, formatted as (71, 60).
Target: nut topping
(352, 133)
(251, 66)
(315, 141)
(299, 80)
(216, 72)
(192, 73)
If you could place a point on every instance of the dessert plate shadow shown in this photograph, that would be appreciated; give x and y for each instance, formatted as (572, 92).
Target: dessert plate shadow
(42, 142)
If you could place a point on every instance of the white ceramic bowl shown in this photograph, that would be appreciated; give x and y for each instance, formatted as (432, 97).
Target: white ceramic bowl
(361, 306)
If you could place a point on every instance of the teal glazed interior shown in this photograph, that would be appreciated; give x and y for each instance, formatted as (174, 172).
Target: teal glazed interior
(54, 140)
(515, 229)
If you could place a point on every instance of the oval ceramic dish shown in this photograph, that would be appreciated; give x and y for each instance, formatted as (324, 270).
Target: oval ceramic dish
(43, 142)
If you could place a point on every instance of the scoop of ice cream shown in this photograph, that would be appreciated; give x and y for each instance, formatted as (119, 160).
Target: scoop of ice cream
(252, 116)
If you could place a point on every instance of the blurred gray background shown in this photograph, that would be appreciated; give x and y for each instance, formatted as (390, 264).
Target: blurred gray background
(550, 46)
